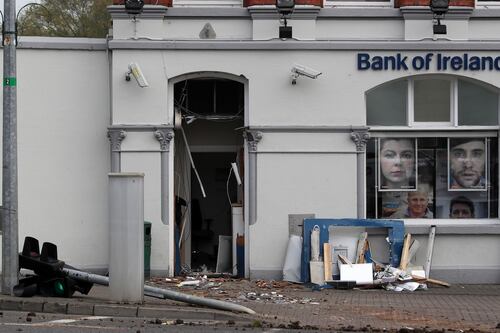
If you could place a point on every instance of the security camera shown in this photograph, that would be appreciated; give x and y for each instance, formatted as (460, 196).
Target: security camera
(299, 70)
(135, 71)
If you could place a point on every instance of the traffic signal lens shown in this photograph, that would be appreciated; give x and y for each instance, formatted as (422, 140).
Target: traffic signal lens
(59, 288)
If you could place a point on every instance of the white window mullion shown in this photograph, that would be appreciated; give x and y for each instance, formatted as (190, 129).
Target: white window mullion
(409, 103)
(454, 102)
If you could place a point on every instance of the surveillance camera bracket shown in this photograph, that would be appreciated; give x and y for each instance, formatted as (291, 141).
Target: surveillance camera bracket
(438, 28)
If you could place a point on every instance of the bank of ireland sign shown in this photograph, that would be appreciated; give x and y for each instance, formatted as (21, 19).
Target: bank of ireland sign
(425, 62)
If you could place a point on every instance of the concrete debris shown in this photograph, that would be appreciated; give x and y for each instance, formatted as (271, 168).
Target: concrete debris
(272, 284)
(238, 290)
(200, 283)
(274, 297)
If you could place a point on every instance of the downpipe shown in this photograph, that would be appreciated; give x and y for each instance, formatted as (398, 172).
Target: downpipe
(162, 293)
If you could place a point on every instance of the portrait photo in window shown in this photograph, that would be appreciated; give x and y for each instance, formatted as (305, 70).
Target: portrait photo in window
(467, 159)
(458, 205)
(397, 163)
(418, 204)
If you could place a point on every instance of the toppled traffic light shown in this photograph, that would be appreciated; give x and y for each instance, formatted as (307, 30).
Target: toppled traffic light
(49, 278)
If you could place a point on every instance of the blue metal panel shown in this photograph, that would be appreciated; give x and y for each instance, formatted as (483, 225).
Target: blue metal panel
(396, 233)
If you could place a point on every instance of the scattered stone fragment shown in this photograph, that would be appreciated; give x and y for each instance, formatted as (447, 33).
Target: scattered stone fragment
(294, 325)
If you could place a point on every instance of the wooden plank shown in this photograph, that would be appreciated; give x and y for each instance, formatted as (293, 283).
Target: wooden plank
(344, 260)
(431, 281)
(327, 255)
(360, 252)
(430, 249)
(368, 252)
(415, 245)
(405, 253)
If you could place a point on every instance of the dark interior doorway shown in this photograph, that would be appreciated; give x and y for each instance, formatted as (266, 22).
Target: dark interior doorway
(211, 216)
(212, 113)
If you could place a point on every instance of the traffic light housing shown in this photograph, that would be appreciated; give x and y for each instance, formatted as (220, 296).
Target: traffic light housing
(50, 280)
(42, 264)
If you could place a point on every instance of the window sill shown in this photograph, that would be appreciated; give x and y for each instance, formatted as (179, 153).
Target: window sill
(453, 227)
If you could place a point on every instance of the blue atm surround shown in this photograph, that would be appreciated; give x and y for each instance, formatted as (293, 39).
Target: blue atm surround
(396, 233)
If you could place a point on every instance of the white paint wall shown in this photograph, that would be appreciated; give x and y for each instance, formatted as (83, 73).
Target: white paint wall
(63, 113)
(295, 184)
(288, 181)
(149, 164)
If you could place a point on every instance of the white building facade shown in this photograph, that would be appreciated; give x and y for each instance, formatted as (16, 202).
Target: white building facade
(221, 87)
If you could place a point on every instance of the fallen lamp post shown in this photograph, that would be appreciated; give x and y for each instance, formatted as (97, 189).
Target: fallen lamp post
(162, 293)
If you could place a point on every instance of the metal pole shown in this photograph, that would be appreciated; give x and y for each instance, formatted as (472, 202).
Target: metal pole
(10, 257)
(162, 293)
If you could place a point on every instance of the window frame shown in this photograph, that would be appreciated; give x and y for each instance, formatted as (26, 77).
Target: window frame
(435, 133)
(452, 124)
(486, 4)
(361, 3)
(410, 107)
(449, 129)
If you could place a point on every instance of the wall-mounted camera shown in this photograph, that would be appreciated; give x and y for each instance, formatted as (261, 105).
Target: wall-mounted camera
(135, 71)
(300, 70)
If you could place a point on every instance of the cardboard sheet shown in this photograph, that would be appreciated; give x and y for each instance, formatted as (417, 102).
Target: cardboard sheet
(361, 273)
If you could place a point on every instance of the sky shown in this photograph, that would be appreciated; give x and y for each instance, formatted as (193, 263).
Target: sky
(19, 3)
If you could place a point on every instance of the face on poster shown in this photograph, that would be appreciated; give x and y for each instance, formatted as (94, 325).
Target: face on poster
(397, 164)
(467, 164)
(453, 204)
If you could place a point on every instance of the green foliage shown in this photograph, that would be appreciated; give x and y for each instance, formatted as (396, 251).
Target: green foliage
(65, 18)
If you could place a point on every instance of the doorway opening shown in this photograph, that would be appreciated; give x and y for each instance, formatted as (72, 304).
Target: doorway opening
(208, 156)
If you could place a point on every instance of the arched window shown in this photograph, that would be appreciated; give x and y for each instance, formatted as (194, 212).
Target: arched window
(432, 101)
(434, 149)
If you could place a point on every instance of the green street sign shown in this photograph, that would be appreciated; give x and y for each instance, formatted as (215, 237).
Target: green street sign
(10, 81)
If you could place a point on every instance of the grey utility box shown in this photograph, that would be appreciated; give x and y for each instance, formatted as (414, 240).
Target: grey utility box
(126, 237)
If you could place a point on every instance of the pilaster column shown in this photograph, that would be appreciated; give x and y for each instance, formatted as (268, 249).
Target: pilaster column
(252, 138)
(116, 137)
(360, 138)
(164, 136)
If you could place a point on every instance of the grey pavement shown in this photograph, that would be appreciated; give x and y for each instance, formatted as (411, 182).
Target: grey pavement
(459, 308)
(97, 303)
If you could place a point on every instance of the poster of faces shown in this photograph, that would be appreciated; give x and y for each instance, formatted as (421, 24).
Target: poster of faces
(432, 178)
(397, 163)
(453, 204)
(467, 161)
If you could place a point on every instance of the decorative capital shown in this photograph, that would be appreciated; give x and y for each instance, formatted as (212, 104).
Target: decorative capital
(164, 136)
(116, 137)
(253, 138)
(360, 138)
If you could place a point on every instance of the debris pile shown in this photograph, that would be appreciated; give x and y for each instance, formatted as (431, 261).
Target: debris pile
(238, 290)
(333, 256)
